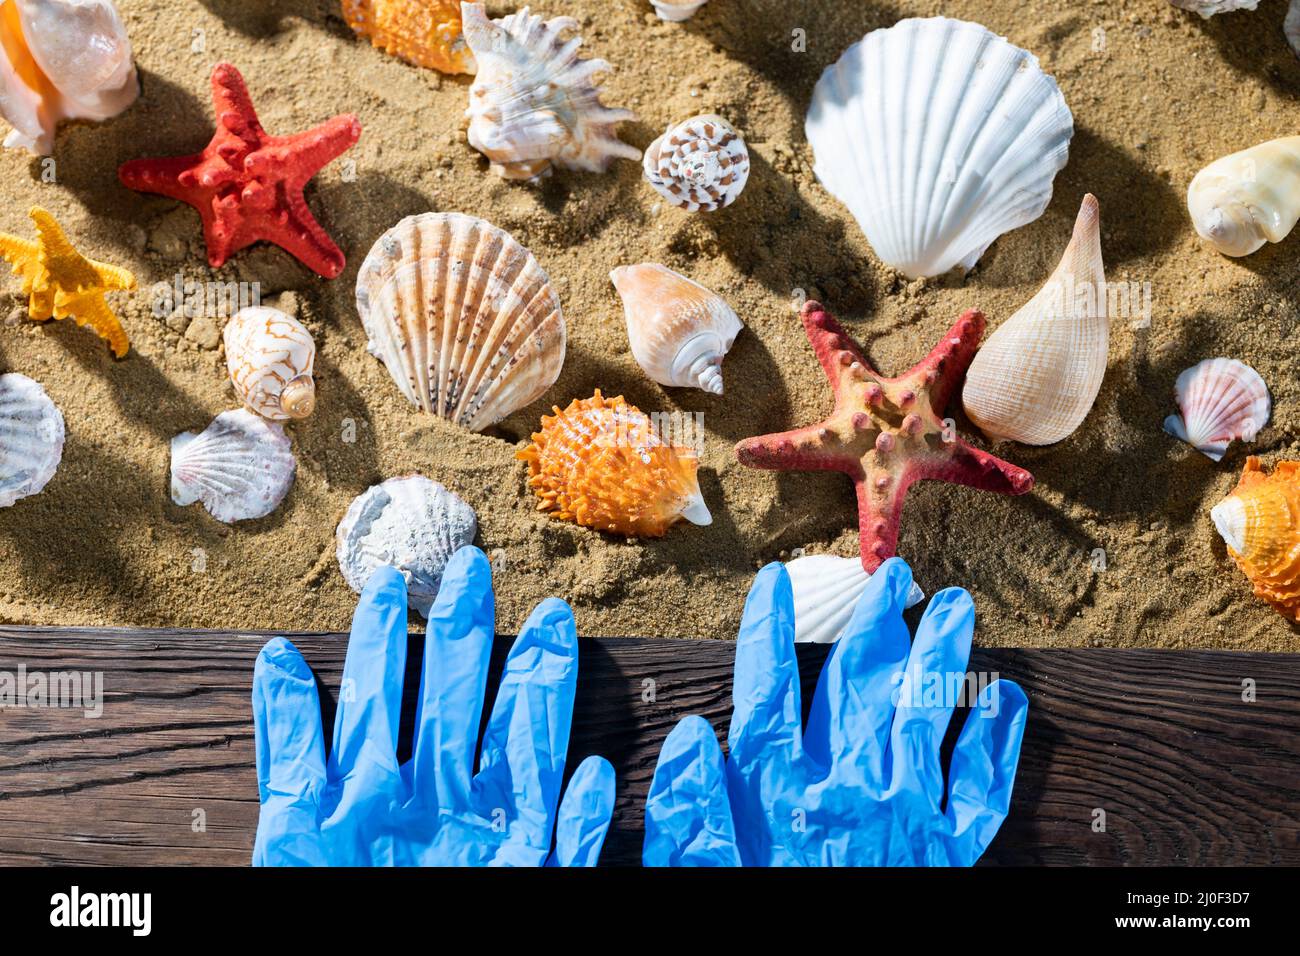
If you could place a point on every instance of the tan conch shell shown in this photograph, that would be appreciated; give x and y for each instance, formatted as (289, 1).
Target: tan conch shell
(677, 10)
(462, 315)
(1038, 374)
(679, 331)
(534, 102)
(270, 357)
(1245, 199)
(701, 164)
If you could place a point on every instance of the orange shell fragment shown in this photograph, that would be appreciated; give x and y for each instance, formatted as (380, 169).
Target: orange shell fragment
(424, 32)
(1268, 506)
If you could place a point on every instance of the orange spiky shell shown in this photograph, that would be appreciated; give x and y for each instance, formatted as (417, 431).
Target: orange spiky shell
(1260, 521)
(599, 463)
(424, 32)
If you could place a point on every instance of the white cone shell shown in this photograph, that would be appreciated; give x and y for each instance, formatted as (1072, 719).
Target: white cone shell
(1221, 399)
(31, 438)
(411, 524)
(826, 591)
(240, 467)
(1243, 200)
(265, 351)
(701, 164)
(939, 136)
(463, 317)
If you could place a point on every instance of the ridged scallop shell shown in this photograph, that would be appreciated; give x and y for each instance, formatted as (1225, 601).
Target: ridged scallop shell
(240, 467)
(31, 438)
(534, 103)
(939, 136)
(270, 357)
(676, 11)
(826, 592)
(61, 59)
(1260, 522)
(424, 32)
(412, 524)
(600, 463)
(679, 331)
(1037, 376)
(463, 317)
(701, 164)
(1239, 202)
(1221, 400)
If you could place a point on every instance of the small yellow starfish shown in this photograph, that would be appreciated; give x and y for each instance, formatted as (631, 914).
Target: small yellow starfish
(61, 283)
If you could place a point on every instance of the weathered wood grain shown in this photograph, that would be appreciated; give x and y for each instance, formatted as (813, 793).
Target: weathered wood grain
(1185, 771)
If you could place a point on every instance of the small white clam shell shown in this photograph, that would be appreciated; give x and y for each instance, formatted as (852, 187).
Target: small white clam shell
(1221, 399)
(240, 467)
(270, 357)
(1243, 200)
(676, 11)
(412, 524)
(701, 164)
(826, 591)
(31, 438)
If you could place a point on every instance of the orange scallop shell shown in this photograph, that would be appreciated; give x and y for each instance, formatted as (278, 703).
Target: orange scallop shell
(599, 463)
(1270, 555)
(424, 32)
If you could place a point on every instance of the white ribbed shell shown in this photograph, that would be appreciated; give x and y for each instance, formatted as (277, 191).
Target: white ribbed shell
(1243, 200)
(240, 466)
(1221, 400)
(701, 164)
(270, 357)
(826, 591)
(31, 438)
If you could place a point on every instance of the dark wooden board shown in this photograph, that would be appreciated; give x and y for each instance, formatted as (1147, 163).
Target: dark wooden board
(1185, 771)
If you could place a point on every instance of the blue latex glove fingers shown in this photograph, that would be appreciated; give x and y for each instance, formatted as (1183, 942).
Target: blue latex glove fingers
(286, 725)
(688, 818)
(984, 768)
(766, 713)
(370, 697)
(585, 812)
(457, 647)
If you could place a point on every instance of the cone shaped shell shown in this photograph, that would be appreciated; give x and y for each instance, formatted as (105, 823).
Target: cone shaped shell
(1221, 400)
(700, 165)
(1260, 522)
(1241, 201)
(424, 32)
(31, 438)
(270, 357)
(826, 592)
(240, 467)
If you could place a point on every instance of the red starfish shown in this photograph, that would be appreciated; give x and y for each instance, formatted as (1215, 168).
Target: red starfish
(246, 184)
(886, 433)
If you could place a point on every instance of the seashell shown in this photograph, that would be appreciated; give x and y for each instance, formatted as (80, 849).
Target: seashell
(1245, 199)
(1291, 27)
(270, 357)
(31, 438)
(1221, 400)
(61, 59)
(601, 464)
(424, 32)
(1210, 8)
(240, 467)
(1036, 377)
(826, 591)
(939, 136)
(463, 317)
(701, 164)
(412, 524)
(533, 102)
(679, 330)
(1260, 522)
(676, 11)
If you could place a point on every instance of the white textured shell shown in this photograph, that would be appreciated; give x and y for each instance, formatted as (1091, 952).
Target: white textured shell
(240, 466)
(1221, 399)
(939, 136)
(463, 317)
(1291, 27)
(679, 330)
(31, 438)
(270, 356)
(533, 102)
(676, 11)
(1240, 201)
(701, 164)
(412, 524)
(1209, 8)
(1036, 377)
(81, 51)
(826, 591)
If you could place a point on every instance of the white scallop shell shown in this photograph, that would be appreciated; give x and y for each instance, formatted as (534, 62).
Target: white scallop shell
(1221, 400)
(826, 591)
(676, 11)
(1240, 201)
(939, 136)
(533, 102)
(463, 317)
(240, 466)
(701, 164)
(270, 357)
(1210, 8)
(412, 524)
(31, 438)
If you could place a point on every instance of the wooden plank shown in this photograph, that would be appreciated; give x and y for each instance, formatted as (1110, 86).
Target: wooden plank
(1185, 771)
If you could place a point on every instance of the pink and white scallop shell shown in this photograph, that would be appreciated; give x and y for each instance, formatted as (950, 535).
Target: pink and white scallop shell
(240, 467)
(1221, 399)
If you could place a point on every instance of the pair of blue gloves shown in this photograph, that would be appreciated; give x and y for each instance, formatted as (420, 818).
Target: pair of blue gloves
(861, 785)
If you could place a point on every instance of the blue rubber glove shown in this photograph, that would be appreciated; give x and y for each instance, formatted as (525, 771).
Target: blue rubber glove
(862, 785)
(361, 808)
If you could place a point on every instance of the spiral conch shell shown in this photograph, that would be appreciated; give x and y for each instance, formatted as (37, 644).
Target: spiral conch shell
(1245, 199)
(1036, 377)
(61, 59)
(270, 357)
(424, 32)
(534, 102)
(679, 330)
(1260, 521)
(701, 164)
(600, 463)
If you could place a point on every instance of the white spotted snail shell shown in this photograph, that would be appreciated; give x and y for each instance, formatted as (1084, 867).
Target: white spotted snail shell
(701, 164)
